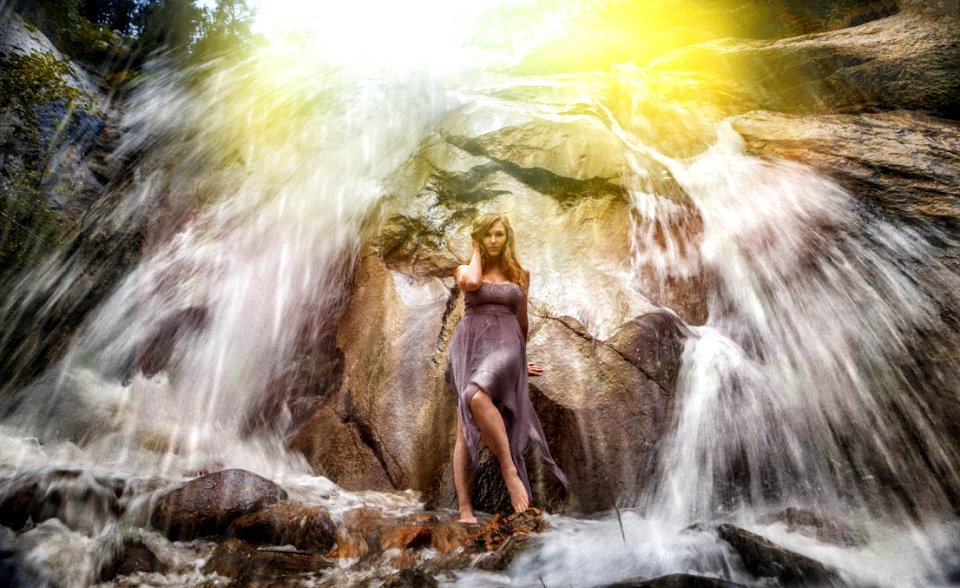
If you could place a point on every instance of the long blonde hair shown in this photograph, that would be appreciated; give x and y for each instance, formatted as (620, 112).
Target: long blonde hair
(508, 258)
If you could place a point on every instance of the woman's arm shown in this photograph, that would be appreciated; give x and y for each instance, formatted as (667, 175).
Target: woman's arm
(532, 368)
(469, 277)
(522, 311)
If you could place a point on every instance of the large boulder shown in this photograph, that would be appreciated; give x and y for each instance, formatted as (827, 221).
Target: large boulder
(557, 172)
(903, 163)
(765, 559)
(209, 504)
(305, 527)
(910, 59)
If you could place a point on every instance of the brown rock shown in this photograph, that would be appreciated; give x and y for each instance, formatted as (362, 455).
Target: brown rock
(207, 505)
(305, 527)
(811, 524)
(885, 63)
(763, 558)
(133, 557)
(675, 581)
(504, 555)
(410, 579)
(903, 163)
(493, 535)
(586, 385)
(653, 343)
(342, 450)
(443, 537)
(237, 559)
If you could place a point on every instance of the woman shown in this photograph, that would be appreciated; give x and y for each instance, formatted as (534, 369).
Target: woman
(488, 369)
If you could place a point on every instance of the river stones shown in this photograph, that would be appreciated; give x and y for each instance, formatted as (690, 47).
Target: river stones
(209, 504)
(675, 581)
(305, 527)
(78, 499)
(410, 579)
(763, 558)
(133, 557)
(811, 524)
(250, 565)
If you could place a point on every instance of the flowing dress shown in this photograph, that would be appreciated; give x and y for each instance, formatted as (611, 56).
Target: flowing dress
(488, 352)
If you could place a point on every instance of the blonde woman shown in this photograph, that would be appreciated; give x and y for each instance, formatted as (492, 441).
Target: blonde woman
(488, 369)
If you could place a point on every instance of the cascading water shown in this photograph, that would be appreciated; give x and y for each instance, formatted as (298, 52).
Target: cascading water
(266, 171)
(273, 169)
(801, 390)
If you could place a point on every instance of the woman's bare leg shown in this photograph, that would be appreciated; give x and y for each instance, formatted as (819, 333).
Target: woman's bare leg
(462, 479)
(493, 433)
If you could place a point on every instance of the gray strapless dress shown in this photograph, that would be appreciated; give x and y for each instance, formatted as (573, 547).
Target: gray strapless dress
(488, 352)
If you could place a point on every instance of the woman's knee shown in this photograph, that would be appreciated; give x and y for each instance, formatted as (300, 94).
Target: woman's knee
(480, 401)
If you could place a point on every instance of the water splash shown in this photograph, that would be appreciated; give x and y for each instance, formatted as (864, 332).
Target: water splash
(263, 173)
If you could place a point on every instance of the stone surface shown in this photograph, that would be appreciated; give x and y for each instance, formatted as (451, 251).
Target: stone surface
(252, 566)
(209, 504)
(133, 557)
(809, 523)
(586, 385)
(410, 579)
(905, 164)
(674, 581)
(765, 559)
(81, 501)
(305, 527)
(910, 59)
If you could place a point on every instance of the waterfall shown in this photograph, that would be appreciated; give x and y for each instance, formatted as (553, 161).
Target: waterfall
(264, 171)
(804, 388)
(804, 385)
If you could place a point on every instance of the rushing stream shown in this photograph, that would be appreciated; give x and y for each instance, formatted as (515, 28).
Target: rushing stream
(801, 390)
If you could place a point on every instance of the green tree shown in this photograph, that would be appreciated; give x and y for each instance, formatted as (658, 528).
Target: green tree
(170, 24)
(227, 29)
(119, 15)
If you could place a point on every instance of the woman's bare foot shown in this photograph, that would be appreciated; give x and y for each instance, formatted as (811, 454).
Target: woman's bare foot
(518, 492)
(467, 518)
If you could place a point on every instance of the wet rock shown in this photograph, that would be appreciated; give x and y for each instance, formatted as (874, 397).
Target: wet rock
(304, 527)
(811, 524)
(228, 558)
(342, 450)
(81, 501)
(586, 385)
(209, 504)
(410, 579)
(902, 163)
(492, 535)
(444, 537)
(156, 351)
(503, 556)
(250, 565)
(675, 581)
(653, 343)
(884, 63)
(765, 559)
(133, 557)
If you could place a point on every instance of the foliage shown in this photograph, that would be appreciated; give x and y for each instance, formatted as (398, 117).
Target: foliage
(29, 84)
(28, 226)
(116, 15)
(226, 29)
(33, 80)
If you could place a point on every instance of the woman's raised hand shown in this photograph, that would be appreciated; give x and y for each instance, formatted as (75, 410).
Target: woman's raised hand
(534, 370)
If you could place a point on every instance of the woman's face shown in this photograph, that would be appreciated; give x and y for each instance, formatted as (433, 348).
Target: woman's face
(495, 239)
